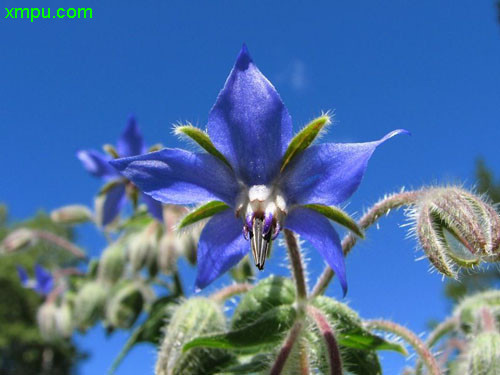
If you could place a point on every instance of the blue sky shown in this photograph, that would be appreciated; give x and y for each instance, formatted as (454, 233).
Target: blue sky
(430, 67)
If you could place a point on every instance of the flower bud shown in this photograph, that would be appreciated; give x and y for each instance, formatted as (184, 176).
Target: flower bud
(143, 248)
(112, 263)
(243, 271)
(470, 311)
(192, 318)
(18, 239)
(54, 321)
(484, 355)
(71, 215)
(125, 304)
(456, 229)
(89, 304)
(168, 252)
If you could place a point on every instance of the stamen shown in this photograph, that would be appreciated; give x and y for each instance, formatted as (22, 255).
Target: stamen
(260, 243)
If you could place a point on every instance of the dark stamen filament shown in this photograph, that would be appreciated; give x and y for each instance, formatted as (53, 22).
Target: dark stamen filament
(260, 241)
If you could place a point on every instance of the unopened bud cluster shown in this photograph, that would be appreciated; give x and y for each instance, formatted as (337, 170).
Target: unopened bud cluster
(456, 228)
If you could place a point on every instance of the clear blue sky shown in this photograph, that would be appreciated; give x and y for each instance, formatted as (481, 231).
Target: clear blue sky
(427, 66)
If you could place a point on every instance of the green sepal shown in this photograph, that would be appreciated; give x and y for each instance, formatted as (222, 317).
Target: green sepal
(271, 292)
(202, 139)
(349, 328)
(200, 213)
(155, 147)
(111, 150)
(110, 185)
(269, 328)
(304, 138)
(337, 215)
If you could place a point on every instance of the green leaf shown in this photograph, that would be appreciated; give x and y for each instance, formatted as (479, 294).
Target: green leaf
(339, 216)
(200, 213)
(349, 328)
(271, 292)
(269, 328)
(304, 138)
(202, 139)
(361, 362)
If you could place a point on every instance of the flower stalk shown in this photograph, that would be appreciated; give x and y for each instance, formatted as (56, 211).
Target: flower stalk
(287, 347)
(334, 358)
(381, 208)
(297, 267)
(420, 347)
(225, 293)
(61, 242)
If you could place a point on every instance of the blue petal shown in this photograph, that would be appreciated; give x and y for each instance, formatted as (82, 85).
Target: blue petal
(328, 173)
(44, 280)
(249, 123)
(113, 203)
(155, 207)
(96, 163)
(221, 246)
(23, 276)
(131, 142)
(316, 229)
(180, 177)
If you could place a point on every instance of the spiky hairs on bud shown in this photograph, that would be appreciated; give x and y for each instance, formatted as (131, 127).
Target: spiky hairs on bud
(468, 312)
(142, 248)
(112, 263)
(192, 318)
(455, 228)
(483, 357)
(89, 304)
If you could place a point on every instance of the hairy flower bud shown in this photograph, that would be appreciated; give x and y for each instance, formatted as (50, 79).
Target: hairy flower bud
(484, 355)
(89, 304)
(112, 263)
(193, 318)
(470, 311)
(456, 229)
(18, 239)
(73, 214)
(143, 248)
(54, 321)
(125, 304)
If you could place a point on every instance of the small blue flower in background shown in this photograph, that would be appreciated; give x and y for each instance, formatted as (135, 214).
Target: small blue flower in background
(251, 128)
(43, 283)
(130, 143)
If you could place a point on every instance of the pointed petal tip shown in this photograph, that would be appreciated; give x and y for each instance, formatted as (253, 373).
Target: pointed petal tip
(244, 59)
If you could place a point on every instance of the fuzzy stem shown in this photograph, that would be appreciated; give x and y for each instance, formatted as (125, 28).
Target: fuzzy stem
(61, 242)
(441, 329)
(304, 361)
(230, 291)
(286, 349)
(332, 346)
(417, 344)
(381, 208)
(297, 266)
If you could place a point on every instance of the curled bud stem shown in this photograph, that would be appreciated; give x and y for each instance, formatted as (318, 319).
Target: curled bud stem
(297, 267)
(61, 242)
(285, 350)
(417, 344)
(441, 330)
(331, 344)
(230, 291)
(381, 208)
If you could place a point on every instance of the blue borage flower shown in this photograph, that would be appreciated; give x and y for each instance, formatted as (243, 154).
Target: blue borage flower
(130, 143)
(43, 283)
(251, 131)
